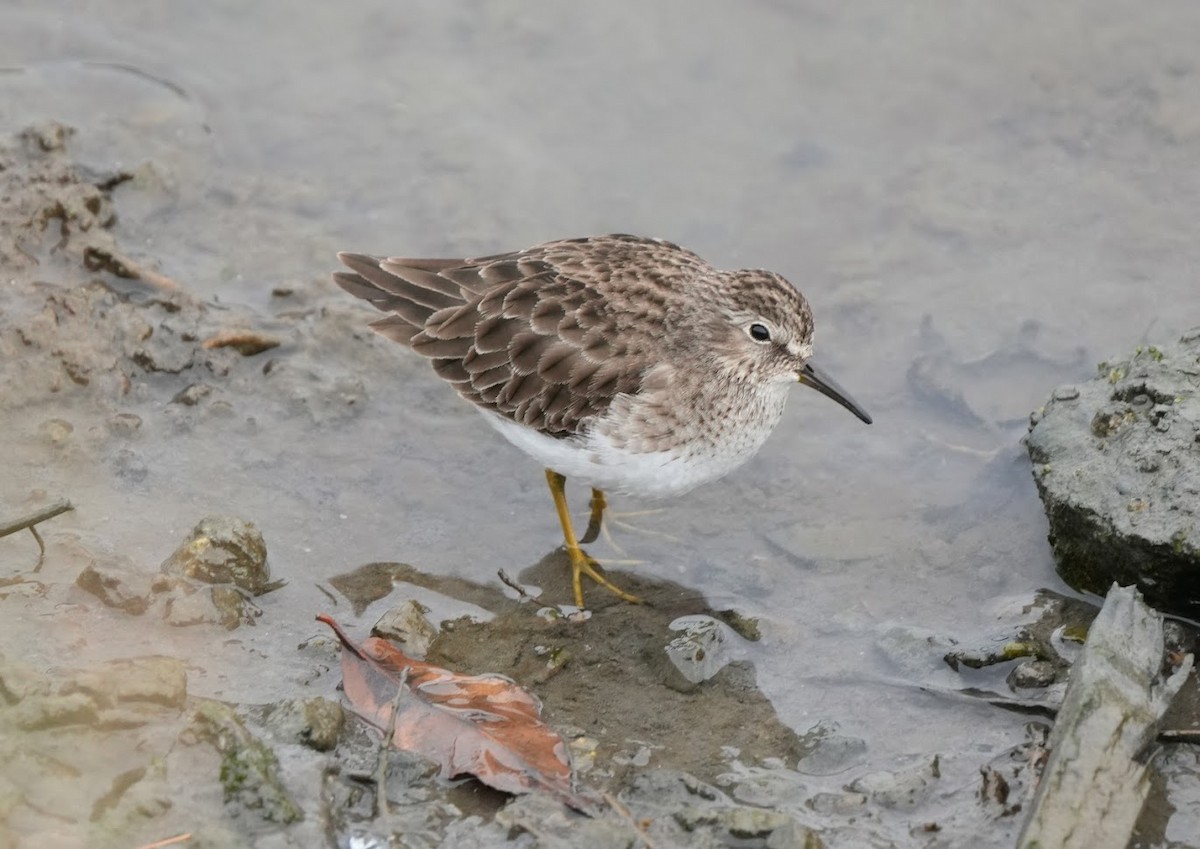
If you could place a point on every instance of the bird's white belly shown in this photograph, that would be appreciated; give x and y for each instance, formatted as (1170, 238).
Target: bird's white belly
(595, 461)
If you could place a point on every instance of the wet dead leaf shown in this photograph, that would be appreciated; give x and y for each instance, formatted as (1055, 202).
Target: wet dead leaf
(482, 725)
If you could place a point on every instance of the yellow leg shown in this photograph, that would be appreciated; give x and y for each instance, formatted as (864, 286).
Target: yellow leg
(596, 520)
(597, 524)
(581, 563)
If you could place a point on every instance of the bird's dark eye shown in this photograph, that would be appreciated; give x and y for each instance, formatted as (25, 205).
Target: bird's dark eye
(759, 333)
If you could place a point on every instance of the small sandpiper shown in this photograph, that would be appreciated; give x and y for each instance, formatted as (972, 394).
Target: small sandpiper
(627, 363)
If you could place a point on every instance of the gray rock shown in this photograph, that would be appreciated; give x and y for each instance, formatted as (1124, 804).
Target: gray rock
(249, 769)
(845, 804)
(763, 786)
(1032, 674)
(914, 652)
(407, 624)
(136, 796)
(685, 811)
(223, 550)
(129, 466)
(124, 424)
(832, 753)
(117, 583)
(314, 722)
(53, 710)
(750, 823)
(222, 605)
(117, 694)
(56, 431)
(700, 651)
(557, 827)
(1117, 464)
(192, 395)
(901, 790)
(155, 680)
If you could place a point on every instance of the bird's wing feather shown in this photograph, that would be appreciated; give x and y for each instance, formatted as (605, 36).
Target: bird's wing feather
(537, 335)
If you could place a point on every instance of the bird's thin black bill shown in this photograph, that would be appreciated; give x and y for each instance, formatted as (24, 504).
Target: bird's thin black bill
(812, 376)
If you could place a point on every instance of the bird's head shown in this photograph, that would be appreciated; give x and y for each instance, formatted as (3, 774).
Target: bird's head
(761, 330)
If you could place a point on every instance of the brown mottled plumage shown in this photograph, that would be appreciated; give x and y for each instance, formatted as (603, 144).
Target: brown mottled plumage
(629, 363)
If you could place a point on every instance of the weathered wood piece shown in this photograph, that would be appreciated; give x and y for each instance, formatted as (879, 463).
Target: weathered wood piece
(1103, 741)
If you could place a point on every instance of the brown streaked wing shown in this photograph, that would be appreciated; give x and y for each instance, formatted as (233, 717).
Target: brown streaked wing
(410, 303)
(547, 315)
(360, 287)
(528, 334)
(451, 370)
(507, 343)
(453, 323)
(397, 328)
(479, 362)
(425, 283)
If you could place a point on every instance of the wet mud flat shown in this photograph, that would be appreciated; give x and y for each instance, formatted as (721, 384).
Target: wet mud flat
(110, 652)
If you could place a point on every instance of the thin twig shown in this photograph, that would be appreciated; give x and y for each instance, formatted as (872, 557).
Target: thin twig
(623, 813)
(381, 803)
(328, 594)
(510, 583)
(41, 545)
(126, 267)
(167, 841)
(47, 512)
(28, 522)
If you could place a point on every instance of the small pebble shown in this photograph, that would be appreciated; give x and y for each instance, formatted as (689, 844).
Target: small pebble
(56, 431)
(1032, 674)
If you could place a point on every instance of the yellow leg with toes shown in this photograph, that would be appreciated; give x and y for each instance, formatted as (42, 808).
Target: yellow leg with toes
(581, 563)
(596, 519)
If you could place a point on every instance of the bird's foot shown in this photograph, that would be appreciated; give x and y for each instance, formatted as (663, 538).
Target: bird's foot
(584, 564)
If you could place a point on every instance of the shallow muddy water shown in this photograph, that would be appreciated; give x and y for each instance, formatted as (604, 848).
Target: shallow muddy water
(981, 203)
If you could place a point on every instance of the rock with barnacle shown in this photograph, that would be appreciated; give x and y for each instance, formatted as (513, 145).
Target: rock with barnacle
(1117, 464)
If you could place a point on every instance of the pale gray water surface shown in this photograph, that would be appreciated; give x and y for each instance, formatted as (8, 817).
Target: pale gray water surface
(980, 200)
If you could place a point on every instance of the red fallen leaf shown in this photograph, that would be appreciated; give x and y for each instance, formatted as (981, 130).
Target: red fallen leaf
(484, 725)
